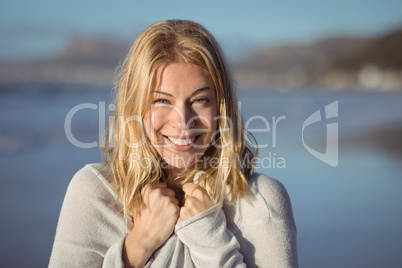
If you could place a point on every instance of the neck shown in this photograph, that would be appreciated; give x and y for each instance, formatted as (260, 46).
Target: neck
(176, 175)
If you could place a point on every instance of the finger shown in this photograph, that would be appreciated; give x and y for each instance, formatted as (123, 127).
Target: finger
(167, 192)
(186, 213)
(193, 190)
(188, 200)
(189, 188)
(174, 201)
(149, 189)
(154, 185)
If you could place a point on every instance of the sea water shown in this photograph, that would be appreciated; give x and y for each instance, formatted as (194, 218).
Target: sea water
(348, 214)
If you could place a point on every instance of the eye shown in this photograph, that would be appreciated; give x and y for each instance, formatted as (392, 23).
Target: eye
(201, 100)
(161, 101)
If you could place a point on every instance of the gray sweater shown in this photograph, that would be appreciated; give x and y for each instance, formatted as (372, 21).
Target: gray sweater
(257, 230)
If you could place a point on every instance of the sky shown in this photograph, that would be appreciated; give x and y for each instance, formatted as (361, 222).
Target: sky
(42, 28)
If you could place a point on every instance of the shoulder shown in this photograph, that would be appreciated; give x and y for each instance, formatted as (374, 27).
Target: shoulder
(273, 192)
(265, 200)
(90, 181)
(89, 172)
(268, 187)
(89, 196)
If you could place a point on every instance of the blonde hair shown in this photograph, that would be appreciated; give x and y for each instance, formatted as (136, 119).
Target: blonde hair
(129, 154)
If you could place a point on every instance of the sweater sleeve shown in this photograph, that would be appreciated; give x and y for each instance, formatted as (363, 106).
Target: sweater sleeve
(90, 230)
(210, 243)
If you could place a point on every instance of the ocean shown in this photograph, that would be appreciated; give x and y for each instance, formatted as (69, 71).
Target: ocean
(336, 153)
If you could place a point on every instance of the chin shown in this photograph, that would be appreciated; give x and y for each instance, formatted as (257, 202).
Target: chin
(179, 161)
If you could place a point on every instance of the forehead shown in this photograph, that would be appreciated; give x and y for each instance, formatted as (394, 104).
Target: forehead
(181, 75)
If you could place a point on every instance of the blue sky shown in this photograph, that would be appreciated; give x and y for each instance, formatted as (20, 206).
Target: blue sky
(35, 29)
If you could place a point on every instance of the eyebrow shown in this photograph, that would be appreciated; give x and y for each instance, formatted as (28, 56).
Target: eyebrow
(192, 94)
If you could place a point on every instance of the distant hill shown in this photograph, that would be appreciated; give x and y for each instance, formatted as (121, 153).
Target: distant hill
(384, 52)
(84, 62)
(337, 63)
(93, 52)
(311, 58)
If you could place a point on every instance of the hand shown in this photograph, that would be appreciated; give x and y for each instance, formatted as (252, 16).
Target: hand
(196, 200)
(153, 226)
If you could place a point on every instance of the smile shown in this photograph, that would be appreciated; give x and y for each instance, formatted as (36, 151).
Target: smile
(181, 142)
(182, 145)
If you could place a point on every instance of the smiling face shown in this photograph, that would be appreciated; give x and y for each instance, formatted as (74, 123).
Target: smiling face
(181, 117)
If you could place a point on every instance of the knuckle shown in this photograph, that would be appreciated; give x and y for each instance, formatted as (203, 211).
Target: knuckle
(157, 191)
(188, 186)
(172, 208)
(151, 195)
(190, 202)
(198, 192)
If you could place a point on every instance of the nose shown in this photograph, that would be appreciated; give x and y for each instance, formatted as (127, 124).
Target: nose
(182, 117)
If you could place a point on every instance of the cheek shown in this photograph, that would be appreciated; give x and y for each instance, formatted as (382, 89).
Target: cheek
(209, 121)
(155, 120)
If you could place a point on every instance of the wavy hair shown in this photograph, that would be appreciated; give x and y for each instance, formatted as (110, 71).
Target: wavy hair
(133, 161)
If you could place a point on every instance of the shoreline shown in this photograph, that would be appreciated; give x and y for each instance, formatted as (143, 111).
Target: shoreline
(387, 138)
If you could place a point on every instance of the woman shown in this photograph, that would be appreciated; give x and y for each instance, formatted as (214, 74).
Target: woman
(177, 187)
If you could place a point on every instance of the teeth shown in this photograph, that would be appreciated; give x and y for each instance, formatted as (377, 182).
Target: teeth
(180, 142)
